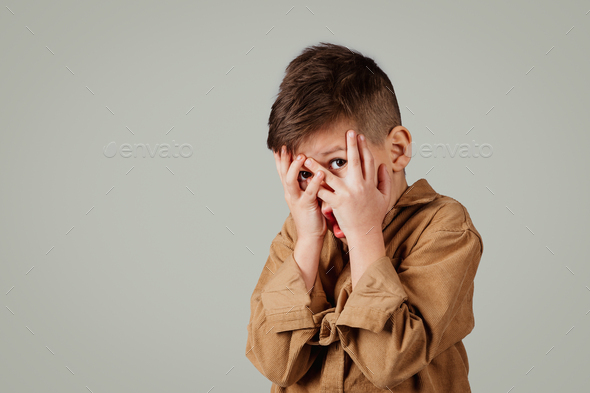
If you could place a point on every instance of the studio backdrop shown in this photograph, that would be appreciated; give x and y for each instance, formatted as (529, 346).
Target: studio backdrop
(139, 200)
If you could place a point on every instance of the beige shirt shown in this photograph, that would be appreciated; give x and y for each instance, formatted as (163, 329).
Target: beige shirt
(400, 330)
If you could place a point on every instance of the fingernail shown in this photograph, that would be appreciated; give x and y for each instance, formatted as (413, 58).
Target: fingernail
(299, 157)
(308, 162)
(350, 134)
(362, 137)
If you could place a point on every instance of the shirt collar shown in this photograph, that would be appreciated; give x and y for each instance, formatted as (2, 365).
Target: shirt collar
(418, 193)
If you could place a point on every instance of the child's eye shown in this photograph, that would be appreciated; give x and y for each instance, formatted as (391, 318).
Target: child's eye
(304, 178)
(304, 175)
(336, 160)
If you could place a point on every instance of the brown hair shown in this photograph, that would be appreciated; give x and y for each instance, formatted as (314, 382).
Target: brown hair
(328, 83)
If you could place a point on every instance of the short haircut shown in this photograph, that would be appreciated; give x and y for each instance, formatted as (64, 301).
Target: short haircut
(328, 83)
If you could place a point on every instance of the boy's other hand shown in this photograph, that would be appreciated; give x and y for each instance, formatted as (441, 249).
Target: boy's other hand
(359, 201)
(304, 206)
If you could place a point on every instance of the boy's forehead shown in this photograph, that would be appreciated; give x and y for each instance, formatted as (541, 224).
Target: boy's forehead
(325, 142)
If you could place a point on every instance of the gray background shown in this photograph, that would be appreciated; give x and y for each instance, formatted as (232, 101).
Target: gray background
(135, 274)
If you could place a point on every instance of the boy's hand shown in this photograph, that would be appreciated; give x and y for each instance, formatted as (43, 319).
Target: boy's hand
(304, 206)
(358, 203)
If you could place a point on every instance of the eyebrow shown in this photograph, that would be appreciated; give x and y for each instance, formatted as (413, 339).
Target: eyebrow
(334, 150)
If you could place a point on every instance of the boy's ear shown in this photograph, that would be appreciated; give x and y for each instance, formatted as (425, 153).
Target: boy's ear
(399, 145)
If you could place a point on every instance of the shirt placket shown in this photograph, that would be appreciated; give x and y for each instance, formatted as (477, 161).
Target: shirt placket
(333, 369)
(332, 379)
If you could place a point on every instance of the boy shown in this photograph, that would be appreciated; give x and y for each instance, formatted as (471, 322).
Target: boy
(381, 301)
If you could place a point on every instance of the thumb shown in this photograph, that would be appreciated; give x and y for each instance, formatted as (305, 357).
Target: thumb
(384, 179)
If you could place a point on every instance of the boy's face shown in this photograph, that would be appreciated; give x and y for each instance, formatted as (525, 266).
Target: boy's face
(328, 147)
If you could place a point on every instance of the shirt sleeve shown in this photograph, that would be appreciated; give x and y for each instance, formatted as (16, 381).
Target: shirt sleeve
(393, 323)
(284, 317)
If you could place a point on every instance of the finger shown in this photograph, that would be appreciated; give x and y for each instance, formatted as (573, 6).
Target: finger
(325, 194)
(277, 156)
(333, 181)
(313, 184)
(367, 160)
(291, 178)
(354, 163)
(285, 162)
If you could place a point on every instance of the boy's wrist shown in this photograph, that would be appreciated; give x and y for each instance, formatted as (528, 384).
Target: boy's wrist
(307, 256)
(373, 231)
(363, 251)
(310, 241)
(371, 240)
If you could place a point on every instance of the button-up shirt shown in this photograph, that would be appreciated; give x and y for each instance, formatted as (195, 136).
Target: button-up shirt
(400, 330)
